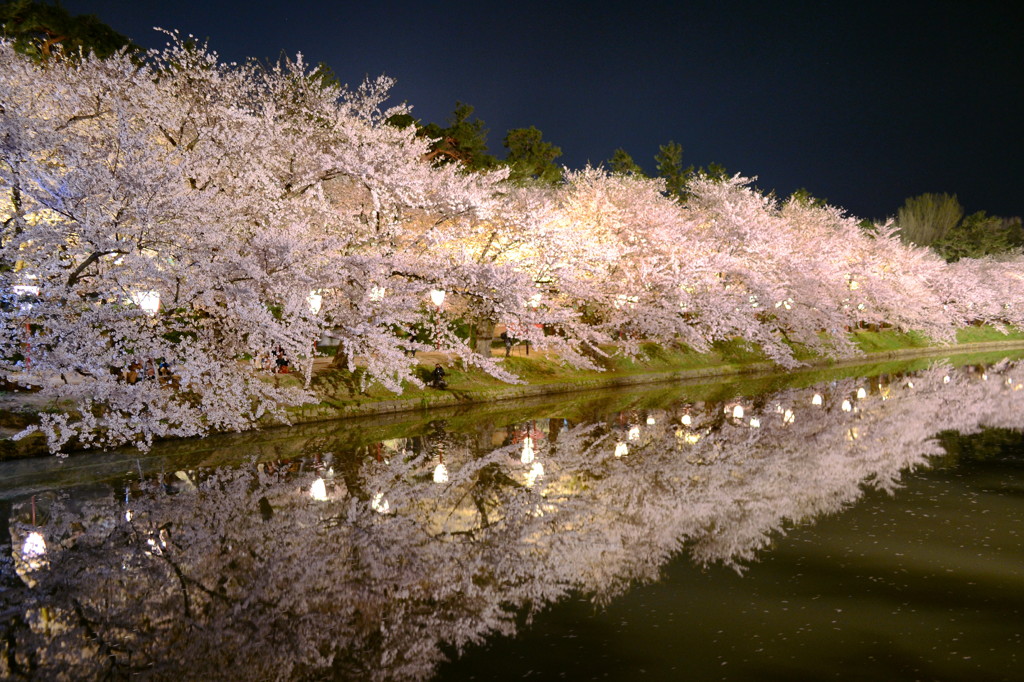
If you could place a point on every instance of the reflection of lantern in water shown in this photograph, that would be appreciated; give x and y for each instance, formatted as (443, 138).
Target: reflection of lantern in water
(634, 432)
(535, 472)
(621, 449)
(33, 551)
(318, 491)
(441, 473)
(34, 546)
(528, 455)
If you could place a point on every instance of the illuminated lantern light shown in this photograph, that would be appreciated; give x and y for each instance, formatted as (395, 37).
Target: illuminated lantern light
(379, 504)
(692, 438)
(441, 473)
(945, 379)
(437, 297)
(816, 400)
(737, 412)
(34, 546)
(377, 293)
(634, 433)
(861, 393)
(686, 420)
(788, 417)
(755, 423)
(651, 421)
(318, 491)
(847, 406)
(536, 472)
(528, 455)
(621, 449)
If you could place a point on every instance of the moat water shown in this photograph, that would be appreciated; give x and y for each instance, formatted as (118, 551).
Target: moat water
(860, 524)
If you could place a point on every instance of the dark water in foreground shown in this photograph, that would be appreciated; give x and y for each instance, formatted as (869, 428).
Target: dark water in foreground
(922, 585)
(853, 528)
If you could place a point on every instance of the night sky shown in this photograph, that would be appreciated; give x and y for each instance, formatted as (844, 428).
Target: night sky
(864, 104)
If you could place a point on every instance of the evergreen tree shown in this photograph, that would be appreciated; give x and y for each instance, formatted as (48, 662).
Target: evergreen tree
(529, 156)
(45, 31)
(464, 140)
(669, 160)
(622, 163)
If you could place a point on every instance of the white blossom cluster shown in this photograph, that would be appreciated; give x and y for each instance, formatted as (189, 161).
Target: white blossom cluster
(171, 216)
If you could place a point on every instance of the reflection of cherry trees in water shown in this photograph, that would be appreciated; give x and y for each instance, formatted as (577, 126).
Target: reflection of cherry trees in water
(364, 564)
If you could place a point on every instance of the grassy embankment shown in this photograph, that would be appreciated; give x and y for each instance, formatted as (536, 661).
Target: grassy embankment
(342, 394)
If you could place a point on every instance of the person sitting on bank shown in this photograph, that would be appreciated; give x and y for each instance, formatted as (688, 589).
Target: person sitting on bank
(437, 377)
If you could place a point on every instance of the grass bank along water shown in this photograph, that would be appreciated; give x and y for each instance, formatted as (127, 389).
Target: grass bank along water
(342, 394)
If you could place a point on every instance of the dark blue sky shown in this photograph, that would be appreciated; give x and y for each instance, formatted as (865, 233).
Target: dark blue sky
(864, 103)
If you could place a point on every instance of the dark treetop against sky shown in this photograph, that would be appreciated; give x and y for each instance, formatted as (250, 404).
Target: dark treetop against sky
(863, 103)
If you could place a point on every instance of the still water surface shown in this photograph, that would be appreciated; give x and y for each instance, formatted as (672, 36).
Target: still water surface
(824, 527)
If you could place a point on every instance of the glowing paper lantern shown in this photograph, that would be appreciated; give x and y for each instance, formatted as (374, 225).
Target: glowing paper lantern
(528, 455)
(318, 491)
(441, 473)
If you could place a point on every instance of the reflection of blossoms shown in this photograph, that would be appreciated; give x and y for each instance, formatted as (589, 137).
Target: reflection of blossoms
(266, 572)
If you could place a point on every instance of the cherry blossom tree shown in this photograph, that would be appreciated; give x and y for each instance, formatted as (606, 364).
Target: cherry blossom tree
(168, 217)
